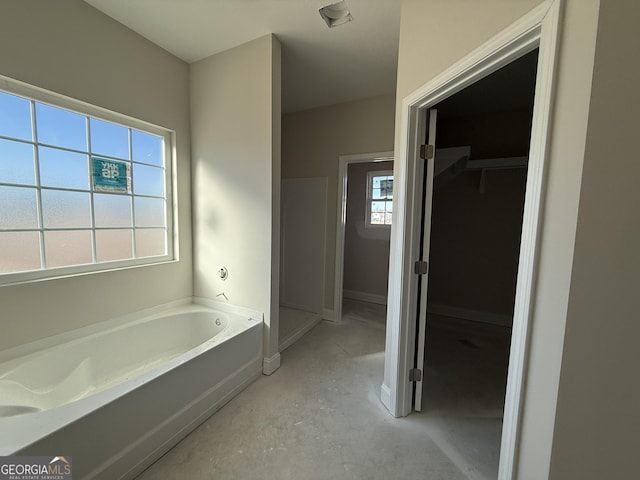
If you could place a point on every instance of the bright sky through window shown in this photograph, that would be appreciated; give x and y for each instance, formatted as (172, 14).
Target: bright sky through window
(379, 198)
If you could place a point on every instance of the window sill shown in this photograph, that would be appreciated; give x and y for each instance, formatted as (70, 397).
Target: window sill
(37, 276)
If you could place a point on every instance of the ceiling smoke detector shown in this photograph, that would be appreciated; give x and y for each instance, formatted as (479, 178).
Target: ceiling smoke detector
(336, 14)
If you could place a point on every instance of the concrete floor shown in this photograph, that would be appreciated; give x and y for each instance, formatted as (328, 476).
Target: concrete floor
(463, 391)
(319, 416)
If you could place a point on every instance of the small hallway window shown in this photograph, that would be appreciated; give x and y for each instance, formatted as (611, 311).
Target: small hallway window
(379, 198)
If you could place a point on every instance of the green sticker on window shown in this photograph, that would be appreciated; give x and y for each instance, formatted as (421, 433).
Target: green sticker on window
(110, 175)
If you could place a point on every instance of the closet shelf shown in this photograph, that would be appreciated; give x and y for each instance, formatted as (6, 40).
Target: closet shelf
(498, 163)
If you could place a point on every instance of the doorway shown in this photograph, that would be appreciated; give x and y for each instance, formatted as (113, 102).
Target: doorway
(345, 162)
(538, 29)
(482, 138)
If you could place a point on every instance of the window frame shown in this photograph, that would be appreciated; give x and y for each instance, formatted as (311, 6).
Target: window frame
(370, 198)
(40, 95)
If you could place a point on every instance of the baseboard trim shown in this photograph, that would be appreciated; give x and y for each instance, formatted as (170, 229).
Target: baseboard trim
(365, 297)
(328, 314)
(300, 307)
(271, 364)
(472, 315)
(298, 334)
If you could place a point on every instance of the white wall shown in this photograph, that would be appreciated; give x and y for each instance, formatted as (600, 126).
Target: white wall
(580, 406)
(70, 48)
(313, 140)
(235, 119)
(366, 249)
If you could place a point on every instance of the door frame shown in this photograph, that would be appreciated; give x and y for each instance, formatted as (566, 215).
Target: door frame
(537, 29)
(341, 219)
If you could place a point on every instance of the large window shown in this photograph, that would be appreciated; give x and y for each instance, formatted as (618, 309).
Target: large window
(379, 198)
(81, 189)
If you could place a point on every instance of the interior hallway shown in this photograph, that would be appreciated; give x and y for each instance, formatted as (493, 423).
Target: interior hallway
(319, 416)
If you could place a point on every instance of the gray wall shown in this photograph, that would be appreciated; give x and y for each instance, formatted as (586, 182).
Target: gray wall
(497, 134)
(302, 258)
(366, 249)
(70, 48)
(313, 140)
(475, 234)
(235, 118)
(597, 421)
(475, 242)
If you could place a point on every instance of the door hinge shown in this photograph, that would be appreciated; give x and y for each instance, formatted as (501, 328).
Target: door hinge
(420, 267)
(415, 375)
(426, 152)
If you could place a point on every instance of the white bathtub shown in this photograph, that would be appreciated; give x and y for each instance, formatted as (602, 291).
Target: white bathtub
(116, 396)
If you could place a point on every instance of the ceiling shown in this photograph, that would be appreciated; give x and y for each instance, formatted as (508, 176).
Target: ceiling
(320, 66)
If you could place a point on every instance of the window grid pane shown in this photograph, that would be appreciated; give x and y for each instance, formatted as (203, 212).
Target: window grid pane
(17, 163)
(68, 247)
(18, 209)
(114, 245)
(59, 218)
(63, 209)
(61, 127)
(382, 213)
(64, 169)
(151, 242)
(112, 210)
(109, 139)
(21, 251)
(15, 117)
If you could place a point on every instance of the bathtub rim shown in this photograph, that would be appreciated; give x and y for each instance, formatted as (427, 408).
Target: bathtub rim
(139, 316)
(29, 428)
